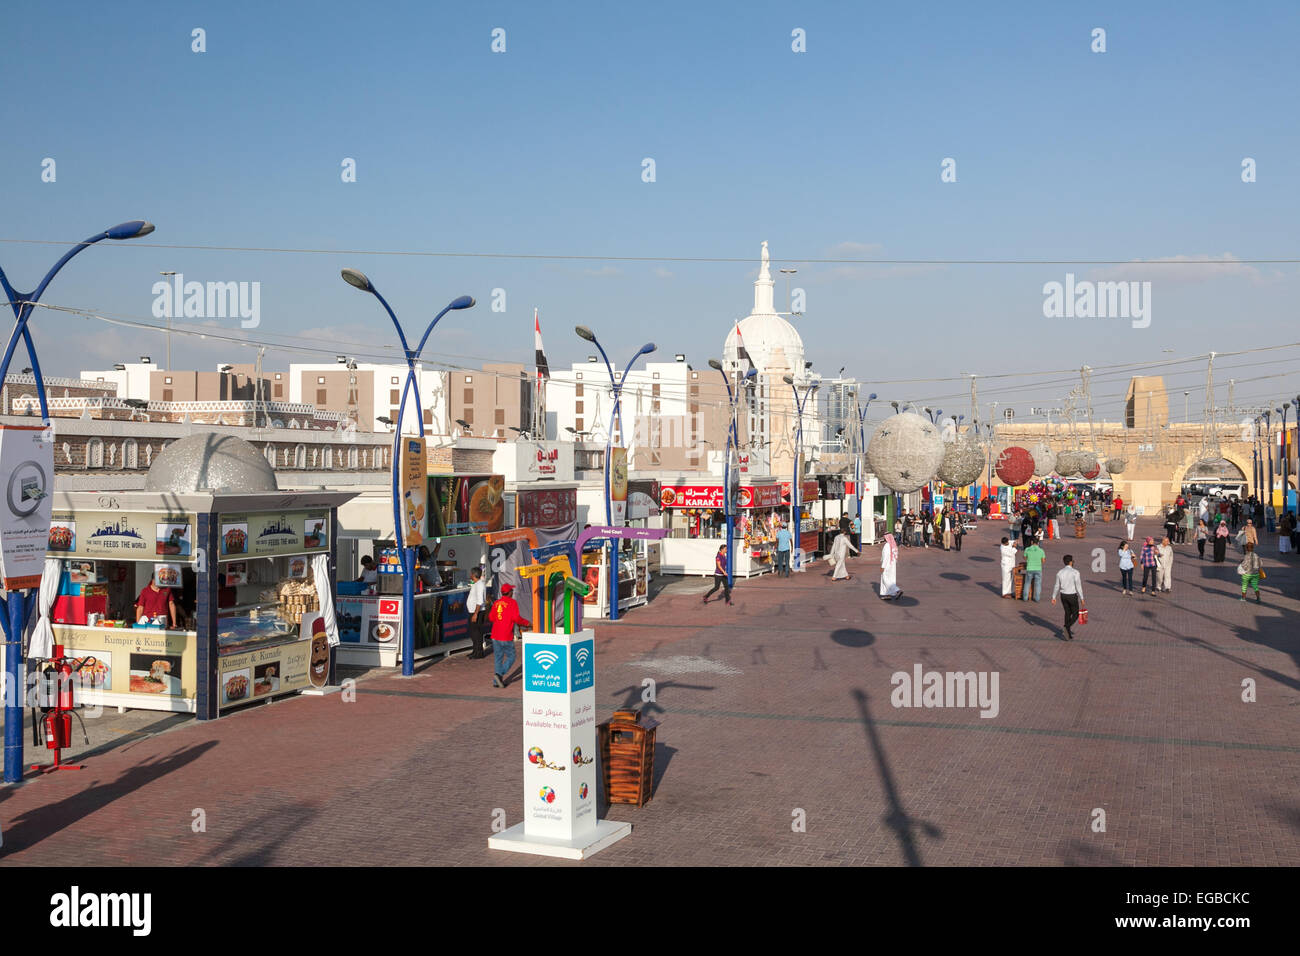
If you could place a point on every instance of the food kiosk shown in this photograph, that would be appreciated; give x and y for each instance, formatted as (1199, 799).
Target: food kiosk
(241, 570)
(697, 527)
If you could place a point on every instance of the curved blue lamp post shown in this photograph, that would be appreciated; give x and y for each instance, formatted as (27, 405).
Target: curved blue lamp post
(1268, 450)
(1286, 464)
(617, 415)
(733, 441)
(17, 608)
(796, 486)
(862, 448)
(358, 280)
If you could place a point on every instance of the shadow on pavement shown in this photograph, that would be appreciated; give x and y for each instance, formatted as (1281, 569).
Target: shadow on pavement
(852, 637)
(32, 827)
(897, 819)
(954, 576)
(261, 837)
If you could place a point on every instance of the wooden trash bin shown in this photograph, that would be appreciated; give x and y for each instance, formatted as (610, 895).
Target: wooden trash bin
(627, 757)
(1018, 576)
(1080, 527)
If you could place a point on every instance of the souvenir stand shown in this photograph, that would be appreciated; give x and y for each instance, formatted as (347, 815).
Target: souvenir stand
(696, 526)
(241, 569)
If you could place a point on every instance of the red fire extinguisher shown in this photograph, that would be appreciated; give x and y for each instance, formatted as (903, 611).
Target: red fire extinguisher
(54, 723)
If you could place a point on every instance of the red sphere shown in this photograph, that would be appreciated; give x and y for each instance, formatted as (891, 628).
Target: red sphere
(1092, 472)
(1015, 466)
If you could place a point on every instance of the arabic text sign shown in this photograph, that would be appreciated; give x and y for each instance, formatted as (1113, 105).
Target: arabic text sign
(27, 462)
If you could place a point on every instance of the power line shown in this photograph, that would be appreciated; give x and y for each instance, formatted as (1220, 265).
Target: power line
(578, 257)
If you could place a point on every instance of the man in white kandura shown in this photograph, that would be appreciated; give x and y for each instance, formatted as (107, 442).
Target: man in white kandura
(889, 570)
(840, 549)
(1008, 566)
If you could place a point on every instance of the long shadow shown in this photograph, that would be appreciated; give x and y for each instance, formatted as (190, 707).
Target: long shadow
(663, 757)
(992, 588)
(980, 558)
(954, 576)
(651, 708)
(898, 819)
(30, 828)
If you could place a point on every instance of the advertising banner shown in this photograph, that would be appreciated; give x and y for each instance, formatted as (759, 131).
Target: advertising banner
(618, 485)
(538, 459)
(147, 663)
(546, 509)
(710, 496)
(264, 672)
(463, 504)
(267, 534)
(27, 461)
(414, 489)
(126, 536)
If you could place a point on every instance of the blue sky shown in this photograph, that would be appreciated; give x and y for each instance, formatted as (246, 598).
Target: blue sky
(1061, 153)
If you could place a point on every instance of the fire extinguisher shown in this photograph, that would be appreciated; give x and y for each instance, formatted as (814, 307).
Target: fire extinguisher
(53, 725)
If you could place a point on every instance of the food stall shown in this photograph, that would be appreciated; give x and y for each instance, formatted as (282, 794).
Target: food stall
(240, 570)
(810, 525)
(463, 507)
(697, 527)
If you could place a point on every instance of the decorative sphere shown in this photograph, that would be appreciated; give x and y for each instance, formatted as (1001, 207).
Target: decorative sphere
(1093, 472)
(963, 462)
(1015, 466)
(1116, 465)
(535, 754)
(905, 452)
(1068, 463)
(1044, 459)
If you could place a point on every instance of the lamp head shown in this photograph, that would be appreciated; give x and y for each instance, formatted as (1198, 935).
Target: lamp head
(585, 333)
(788, 379)
(647, 349)
(130, 230)
(715, 364)
(871, 397)
(464, 302)
(357, 279)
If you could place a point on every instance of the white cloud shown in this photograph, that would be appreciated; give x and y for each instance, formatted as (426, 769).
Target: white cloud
(1168, 270)
(854, 250)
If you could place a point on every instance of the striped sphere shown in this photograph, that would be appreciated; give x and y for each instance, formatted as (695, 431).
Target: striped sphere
(1015, 466)
(905, 452)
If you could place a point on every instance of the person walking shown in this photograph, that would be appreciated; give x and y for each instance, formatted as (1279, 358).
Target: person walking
(720, 576)
(944, 526)
(1008, 552)
(1149, 561)
(1165, 565)
(1171, 524)
(926, 525)
(1202, 534)
(958, 532)
(1126, 568)
(1034, 555)
(1069, 587)
(1188, 527)
(1250, 568)
(840, 549)
(477, 608)
(784, 542)
(1220, 539)
(505, 618)
(1130, 522)
(909, 523)
(889, 570)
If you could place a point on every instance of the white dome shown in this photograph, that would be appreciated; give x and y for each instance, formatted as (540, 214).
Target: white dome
(772, 343)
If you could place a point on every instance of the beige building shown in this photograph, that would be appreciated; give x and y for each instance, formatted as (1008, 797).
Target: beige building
(493, 400)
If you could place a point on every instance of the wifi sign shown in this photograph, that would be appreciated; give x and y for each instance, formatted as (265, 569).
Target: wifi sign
(584, 671)
(546, 668)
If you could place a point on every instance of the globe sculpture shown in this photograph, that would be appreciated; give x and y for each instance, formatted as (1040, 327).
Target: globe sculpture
(963, 462)
(1044, 459)
(1015, 466)
(1116, 466)
(1092, 472)
(1088, 462)
(1069, 463)
(905, 452)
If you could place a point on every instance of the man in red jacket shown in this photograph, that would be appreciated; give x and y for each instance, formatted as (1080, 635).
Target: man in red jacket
(504, 616)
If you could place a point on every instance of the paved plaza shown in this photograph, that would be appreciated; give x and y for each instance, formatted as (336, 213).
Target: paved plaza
(779, 704)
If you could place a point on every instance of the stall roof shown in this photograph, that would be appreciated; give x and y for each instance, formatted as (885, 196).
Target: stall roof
(199, 502)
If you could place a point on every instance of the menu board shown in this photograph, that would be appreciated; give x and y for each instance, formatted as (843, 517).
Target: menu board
(148, 663)
(271, 533)
(122, 535)
(551, 508)
(263, 672)
(463, 504)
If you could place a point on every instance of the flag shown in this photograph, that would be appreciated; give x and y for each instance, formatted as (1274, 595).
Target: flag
(741, 354)
(543, 370)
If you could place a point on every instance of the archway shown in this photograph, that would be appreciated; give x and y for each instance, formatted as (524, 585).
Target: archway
(1243, 465)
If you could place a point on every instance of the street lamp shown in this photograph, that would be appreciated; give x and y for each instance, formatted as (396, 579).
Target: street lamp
(733, 441)
(169, 324)
(861, 450)
(1187, 414)
(358, 280)
(1267, 450)
(1286, 464)
(616, 415)
(17, 607)
(797, 485)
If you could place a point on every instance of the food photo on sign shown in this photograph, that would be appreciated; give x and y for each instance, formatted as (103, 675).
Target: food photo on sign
(155, 674)
(173, 539)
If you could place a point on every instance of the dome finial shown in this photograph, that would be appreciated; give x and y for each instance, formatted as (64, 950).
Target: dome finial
(765, 272)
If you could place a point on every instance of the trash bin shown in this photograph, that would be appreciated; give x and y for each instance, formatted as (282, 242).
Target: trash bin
(1018, 576)
(1080, 528)
(627, 757)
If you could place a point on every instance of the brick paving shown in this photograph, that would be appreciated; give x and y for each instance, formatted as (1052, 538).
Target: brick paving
(781, 702)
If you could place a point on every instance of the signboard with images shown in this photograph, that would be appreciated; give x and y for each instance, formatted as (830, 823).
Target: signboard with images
(710, 496)
(550, 508)
(124, 536)
(272, 533)
(414, 489)
(465, 504)
(27, 462)
(618, 485)
(543, 459)
(148, 664)
(264, 672)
